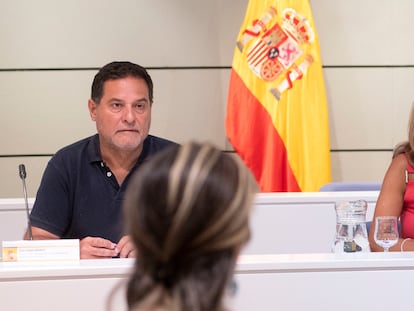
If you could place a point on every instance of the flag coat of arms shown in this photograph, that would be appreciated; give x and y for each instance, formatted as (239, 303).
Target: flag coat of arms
(277, 114)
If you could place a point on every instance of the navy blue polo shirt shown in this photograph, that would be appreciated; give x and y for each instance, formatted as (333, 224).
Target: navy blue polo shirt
(78, 194)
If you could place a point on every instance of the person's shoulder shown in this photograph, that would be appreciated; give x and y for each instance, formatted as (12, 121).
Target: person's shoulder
(400, 161)
(156, 143)
(402, 157)
(76, 147)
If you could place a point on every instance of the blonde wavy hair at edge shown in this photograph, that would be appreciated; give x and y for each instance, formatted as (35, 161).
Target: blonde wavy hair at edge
(407, 146)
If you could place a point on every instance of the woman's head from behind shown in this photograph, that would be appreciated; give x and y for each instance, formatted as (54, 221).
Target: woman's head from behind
(187, 212)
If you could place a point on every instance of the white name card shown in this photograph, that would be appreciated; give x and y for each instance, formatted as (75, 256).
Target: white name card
(38, 251)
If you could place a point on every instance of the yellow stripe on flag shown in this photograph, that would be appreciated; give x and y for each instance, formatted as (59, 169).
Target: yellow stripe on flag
(277, 66)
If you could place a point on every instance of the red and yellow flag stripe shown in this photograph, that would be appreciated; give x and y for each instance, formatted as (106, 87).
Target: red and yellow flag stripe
(277, 118)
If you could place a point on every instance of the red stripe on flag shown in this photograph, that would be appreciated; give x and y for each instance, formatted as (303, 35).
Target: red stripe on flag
(257, 54)
(253, 136)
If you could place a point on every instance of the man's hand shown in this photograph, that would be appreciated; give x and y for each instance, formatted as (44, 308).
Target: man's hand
(126, 248)
(94, 248)
(91, 247)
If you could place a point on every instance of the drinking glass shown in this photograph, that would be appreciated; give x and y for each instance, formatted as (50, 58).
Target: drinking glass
(386, 231)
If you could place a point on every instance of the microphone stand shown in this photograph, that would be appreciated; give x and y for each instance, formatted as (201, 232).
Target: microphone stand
(22, 173)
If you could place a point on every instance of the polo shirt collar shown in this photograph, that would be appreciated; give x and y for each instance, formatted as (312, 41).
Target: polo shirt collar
(94, 153)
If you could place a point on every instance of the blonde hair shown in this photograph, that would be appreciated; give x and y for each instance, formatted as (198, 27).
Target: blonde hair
(187, 212)
(407, 146)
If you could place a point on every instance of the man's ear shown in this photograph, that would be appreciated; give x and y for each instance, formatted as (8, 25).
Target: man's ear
(92, 109)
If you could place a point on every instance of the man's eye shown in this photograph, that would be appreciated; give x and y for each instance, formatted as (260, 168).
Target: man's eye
(141, 107)
(116, 106)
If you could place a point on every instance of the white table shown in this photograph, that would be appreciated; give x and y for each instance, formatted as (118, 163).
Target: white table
(369, 281)
(340, 282)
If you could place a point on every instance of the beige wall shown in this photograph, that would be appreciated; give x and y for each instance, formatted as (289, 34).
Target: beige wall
(188, 47)
(370, 96)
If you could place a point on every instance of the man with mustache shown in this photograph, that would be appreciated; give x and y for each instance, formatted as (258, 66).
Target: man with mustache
(82, 188)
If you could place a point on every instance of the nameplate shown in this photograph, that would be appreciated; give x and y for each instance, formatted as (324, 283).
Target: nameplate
(38, 251)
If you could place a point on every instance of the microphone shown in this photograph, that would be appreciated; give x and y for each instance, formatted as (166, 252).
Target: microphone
(22, 174)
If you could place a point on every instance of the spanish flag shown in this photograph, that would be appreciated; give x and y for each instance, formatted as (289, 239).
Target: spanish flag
(277, 114)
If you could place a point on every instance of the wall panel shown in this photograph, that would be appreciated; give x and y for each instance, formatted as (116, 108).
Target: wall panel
(11, 185)
(359, 165)
(156, 33)
(363, 32)
(45, 110)
(368, 107)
